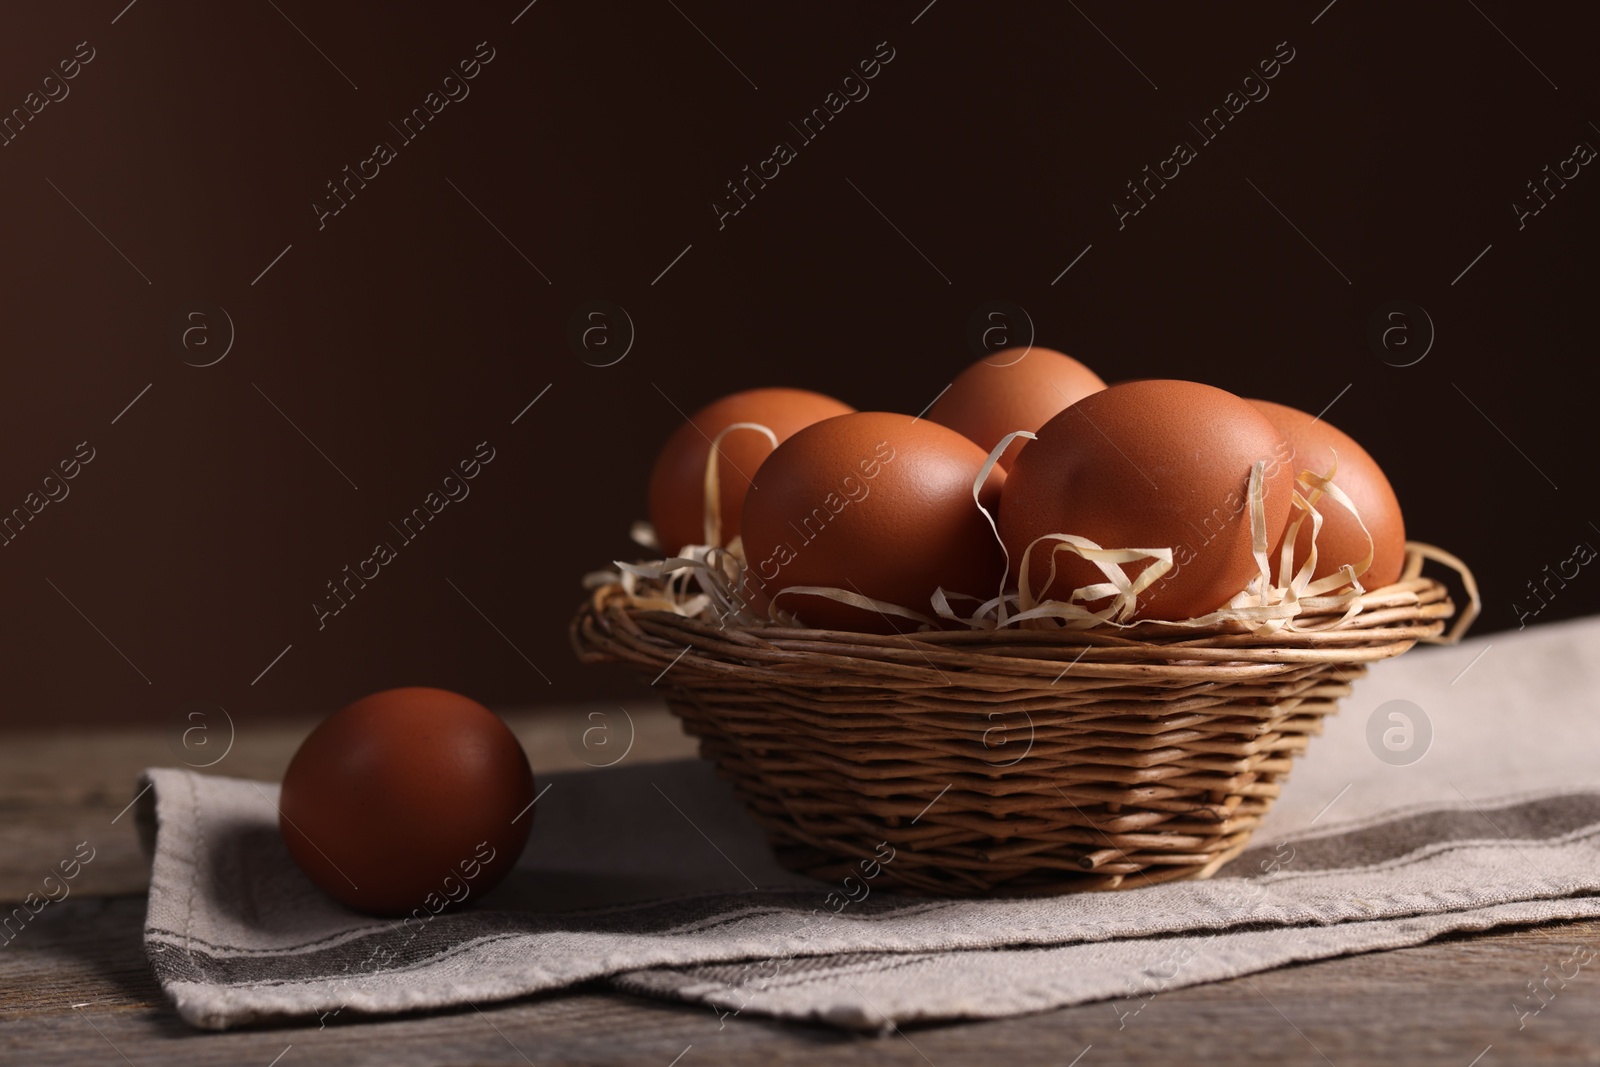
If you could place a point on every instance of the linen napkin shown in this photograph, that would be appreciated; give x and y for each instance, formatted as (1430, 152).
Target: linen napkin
(1455, 790)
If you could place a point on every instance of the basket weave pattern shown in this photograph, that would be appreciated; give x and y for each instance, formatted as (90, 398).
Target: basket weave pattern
(1013, 761)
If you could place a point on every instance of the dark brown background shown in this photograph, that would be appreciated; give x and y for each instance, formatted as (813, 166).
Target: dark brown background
(408, 329)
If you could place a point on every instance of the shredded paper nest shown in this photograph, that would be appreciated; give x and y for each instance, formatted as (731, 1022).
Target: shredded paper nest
(703, 581)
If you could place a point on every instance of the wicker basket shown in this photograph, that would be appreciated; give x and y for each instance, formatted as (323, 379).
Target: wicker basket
(1011, 761)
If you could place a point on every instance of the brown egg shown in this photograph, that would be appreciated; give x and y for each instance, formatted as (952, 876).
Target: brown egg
(677, 484)
(407, 801)
(1148, 464)
(1312, 443)
(874, 503)
(1015, 389)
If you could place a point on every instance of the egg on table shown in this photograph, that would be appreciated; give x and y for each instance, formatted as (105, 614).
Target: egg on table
(411, 798)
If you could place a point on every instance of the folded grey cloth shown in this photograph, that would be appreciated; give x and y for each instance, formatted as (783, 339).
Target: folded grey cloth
(652, 878)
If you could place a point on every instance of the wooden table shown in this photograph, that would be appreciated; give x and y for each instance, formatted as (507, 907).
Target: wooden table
(74, 986)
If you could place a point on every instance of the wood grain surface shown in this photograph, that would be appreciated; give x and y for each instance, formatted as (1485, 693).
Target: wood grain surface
(75, 988)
